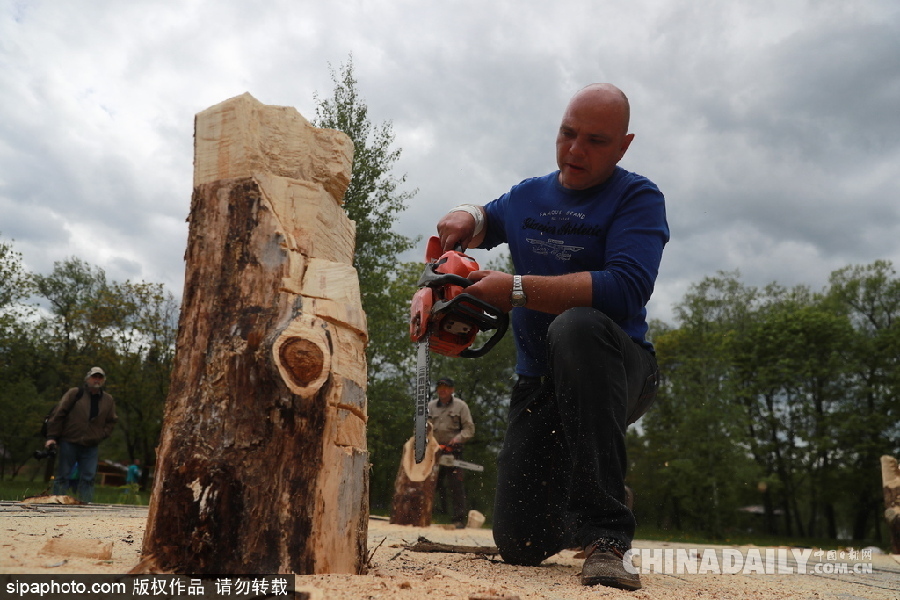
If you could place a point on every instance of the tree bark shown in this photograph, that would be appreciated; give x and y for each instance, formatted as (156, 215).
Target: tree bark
(262, 464)
(414, 486)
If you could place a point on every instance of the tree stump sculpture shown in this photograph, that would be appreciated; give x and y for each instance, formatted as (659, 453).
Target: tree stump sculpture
(890, 481)
(414, 486)
(262, 463)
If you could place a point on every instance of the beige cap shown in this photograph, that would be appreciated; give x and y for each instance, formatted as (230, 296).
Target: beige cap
(96, 371)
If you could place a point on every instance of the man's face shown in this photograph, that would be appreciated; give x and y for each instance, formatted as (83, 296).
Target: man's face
(444, 392)
(592, 139)
(96, 381)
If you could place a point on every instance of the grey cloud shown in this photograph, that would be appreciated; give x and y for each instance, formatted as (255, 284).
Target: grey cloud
(770, 126)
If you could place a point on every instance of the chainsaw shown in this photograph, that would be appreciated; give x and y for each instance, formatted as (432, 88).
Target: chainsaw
(446, 320)
(448, 459)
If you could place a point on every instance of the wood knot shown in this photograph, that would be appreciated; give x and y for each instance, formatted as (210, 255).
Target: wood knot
(302, 359)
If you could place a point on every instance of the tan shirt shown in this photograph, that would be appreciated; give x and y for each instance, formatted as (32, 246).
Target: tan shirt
(451, 419)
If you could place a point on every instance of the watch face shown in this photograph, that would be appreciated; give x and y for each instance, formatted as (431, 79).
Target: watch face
(518, 299)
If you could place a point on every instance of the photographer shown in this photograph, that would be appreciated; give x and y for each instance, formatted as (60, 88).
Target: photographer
(83, 418)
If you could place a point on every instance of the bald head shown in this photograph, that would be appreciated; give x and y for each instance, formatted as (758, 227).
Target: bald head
(608, 95)
(593, 136)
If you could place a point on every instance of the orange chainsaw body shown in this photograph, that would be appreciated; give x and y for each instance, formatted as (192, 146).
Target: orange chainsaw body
(441, 309)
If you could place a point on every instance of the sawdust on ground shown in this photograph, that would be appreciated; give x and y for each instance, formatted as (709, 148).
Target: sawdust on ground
(26, 533)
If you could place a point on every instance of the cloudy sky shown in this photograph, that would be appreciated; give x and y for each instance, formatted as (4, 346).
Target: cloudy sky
(773, 127)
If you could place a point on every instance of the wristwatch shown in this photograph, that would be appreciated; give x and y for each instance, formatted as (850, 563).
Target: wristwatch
(517, 297)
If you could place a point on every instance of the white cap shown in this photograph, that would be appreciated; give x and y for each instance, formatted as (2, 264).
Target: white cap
(96, 371)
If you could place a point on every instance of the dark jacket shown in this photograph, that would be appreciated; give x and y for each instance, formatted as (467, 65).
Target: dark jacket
(71, 419)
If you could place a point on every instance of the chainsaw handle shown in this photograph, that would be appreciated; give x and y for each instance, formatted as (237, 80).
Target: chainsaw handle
(478, 313)
(502, 324)
(486, 347)
(433, 279)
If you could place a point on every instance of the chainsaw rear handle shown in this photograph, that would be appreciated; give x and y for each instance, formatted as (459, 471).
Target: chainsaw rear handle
(480, 314)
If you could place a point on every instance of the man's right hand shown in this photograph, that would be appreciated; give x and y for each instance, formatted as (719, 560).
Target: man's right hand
(49, 443)
(458, 228)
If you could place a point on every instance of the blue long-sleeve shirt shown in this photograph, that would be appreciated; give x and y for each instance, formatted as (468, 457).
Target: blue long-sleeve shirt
(616, 231)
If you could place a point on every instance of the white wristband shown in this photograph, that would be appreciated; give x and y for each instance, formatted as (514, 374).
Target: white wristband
(475, 211)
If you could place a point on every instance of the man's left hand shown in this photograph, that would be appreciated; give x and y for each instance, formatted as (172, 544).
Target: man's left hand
(494, 287)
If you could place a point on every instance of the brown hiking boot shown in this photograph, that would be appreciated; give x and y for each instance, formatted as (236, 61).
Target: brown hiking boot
(604, 565)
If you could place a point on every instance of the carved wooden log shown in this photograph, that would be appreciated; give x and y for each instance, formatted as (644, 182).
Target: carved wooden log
(262, 463)
(890, 480)
(414, 486)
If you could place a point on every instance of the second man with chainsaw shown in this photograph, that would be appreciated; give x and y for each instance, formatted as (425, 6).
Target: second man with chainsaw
(452, 426)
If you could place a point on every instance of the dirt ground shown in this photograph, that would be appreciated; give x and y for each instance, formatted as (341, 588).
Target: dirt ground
(46, 539)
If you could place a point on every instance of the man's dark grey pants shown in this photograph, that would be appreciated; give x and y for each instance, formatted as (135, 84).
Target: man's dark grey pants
(561, 472)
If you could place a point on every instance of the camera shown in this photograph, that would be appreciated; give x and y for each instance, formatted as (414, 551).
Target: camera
(46, 453)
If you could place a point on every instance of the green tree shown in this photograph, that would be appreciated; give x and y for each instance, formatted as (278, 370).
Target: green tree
(23, 413)
(19, 401)
(792, 363)
(74, 292)
(390, 391)
(803, 388)
(869, 295)
(695, 470)
(373, 201)
(15, 284)
(141, 326)
(128, 329)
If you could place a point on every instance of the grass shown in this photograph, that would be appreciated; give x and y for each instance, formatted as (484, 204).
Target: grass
(17, 490)
(738, 538)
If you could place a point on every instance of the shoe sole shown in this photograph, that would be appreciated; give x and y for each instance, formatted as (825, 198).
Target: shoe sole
(611, 582)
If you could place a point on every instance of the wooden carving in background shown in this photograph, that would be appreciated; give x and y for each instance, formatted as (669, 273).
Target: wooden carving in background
(414, 486)
(262, 462)
(890, 481)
